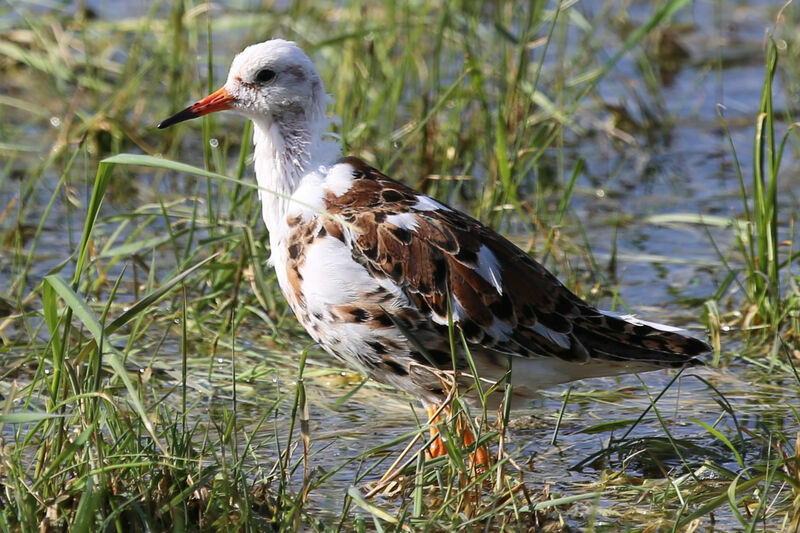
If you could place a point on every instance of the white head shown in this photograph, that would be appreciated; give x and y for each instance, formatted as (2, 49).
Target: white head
(273, 83)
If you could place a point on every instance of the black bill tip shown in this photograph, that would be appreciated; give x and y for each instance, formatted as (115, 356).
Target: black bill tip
(180, 116)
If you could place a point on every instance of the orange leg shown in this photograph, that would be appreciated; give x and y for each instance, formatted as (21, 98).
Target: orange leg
(479, 458)
(436, 448)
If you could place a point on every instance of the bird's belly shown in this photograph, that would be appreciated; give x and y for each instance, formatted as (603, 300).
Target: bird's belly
(337, 301)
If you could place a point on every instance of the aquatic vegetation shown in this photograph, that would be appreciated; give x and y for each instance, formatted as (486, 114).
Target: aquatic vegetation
(151, 377)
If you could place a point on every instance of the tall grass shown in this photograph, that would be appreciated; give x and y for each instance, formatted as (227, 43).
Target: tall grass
(771, 297)
(152, 377)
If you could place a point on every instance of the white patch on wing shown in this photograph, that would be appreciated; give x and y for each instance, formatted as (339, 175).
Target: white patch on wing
(308, 199)
(561, 339)
(339, 178)
(407, 221)
(638, 322)
(489, 268)
(331, 277)
(426, 203)
(456, 309)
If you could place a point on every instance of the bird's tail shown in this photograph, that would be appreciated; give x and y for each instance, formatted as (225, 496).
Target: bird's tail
(615, 337)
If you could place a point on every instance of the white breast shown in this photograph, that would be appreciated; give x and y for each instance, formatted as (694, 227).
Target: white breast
(331, 276)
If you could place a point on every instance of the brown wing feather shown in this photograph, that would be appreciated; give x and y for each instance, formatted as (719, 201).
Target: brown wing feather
(532, 315)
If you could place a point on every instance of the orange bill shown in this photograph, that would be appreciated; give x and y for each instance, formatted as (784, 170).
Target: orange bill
(216, 101)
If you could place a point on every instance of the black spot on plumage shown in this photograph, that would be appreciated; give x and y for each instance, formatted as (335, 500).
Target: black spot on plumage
(437, 306)
(397, 271)
(403, 235)
(467, 257)
(439, 358)
(378, 347)
(371, 253)
(294, 251)
(384, 320)
(439, 270)
(502, 308)
(391, 345)
(391, 195)
(396, 367)
(423, 307)
(380, 216)
(322, 232)
(359, 315)
(470, 329)
(441, 329)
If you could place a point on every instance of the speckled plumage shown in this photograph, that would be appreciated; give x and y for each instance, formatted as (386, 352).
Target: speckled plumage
(375, 271)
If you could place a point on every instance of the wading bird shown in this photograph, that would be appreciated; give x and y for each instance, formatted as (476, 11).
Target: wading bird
(378, 273)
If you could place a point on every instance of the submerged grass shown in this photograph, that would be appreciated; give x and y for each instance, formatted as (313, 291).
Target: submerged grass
(150, 374)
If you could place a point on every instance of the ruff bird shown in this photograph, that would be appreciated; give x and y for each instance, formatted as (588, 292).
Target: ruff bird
(378, 273)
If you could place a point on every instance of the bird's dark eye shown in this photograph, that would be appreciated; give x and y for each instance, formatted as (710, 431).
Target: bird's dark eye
(265, 75)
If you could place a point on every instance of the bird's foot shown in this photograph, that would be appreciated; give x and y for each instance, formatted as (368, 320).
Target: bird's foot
(478, 460)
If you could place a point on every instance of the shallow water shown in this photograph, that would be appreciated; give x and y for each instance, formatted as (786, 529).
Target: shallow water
(680, 164)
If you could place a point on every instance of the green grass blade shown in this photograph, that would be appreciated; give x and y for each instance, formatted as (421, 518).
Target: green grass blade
(88, 319)
(374, 510)
(25, 418)
(101, 181)
(722, 438)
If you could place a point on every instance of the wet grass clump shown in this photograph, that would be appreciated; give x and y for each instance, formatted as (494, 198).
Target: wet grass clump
(771, 298)
(151, 376)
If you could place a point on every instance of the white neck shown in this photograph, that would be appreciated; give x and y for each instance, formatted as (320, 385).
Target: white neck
(284, 153)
